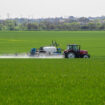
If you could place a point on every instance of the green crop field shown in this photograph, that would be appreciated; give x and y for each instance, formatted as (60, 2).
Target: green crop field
(52, 81)
(15, 42)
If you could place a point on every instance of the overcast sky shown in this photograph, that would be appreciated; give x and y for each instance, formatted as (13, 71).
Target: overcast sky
(51, 8)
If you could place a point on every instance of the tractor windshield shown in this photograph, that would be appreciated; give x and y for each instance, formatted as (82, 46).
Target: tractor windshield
(73, 47)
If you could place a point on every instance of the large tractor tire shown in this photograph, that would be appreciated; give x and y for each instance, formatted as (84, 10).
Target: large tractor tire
(70, 55)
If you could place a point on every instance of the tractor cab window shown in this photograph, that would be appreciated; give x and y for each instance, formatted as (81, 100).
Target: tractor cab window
(69, 47)
(76, 48)
(73, 47)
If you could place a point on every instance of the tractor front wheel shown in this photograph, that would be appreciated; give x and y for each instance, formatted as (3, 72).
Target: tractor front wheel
(86, 56)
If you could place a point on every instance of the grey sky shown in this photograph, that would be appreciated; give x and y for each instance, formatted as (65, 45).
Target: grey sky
(51, 8)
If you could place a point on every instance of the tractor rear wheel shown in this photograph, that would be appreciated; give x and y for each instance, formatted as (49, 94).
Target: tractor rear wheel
(70, 55)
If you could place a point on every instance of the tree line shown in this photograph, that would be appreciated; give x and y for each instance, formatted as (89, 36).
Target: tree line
(58, 24)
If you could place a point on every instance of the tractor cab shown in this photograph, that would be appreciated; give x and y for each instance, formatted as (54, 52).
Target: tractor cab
(74, 47)
(73, 51)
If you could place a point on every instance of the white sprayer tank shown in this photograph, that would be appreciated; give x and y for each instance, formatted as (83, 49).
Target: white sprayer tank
(50, 49)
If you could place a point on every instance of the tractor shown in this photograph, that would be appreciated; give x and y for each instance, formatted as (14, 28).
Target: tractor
(73, 51)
